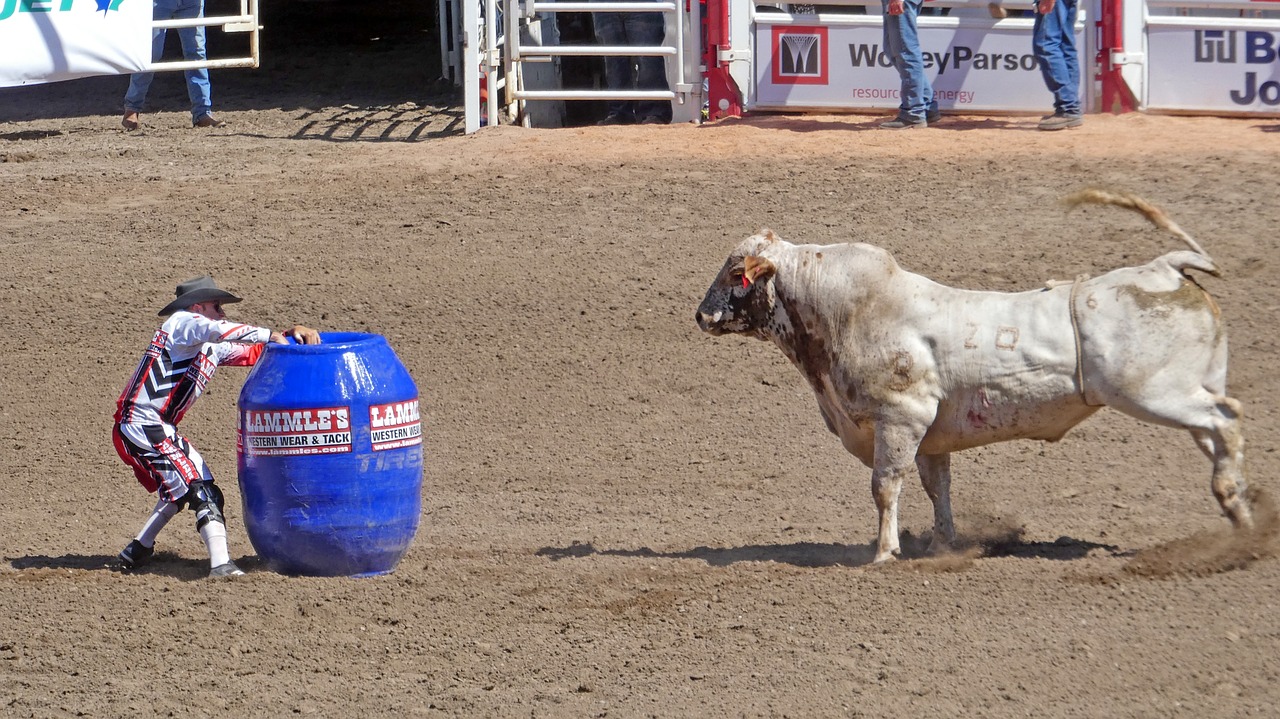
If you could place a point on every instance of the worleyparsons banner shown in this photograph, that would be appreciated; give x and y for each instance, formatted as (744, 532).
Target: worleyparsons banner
(1222, 69)
(845, 65)
(50, 40)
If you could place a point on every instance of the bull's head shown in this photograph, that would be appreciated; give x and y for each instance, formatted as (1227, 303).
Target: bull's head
(739, 299)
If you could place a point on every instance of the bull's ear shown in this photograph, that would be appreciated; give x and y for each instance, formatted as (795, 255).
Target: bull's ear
(756, 268)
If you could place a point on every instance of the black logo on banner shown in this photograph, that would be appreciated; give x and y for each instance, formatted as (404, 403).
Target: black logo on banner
(799, 55)
(1216, 46)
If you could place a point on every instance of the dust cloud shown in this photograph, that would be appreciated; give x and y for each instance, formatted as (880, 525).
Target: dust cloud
(1215, 551)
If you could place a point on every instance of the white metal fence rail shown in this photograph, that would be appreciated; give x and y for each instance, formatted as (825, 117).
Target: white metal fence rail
(683, 92)
(472, 39)
(530, 10)
(1210, 56)
(246, 21)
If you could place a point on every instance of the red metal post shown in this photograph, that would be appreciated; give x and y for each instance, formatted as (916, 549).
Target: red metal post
(1117, 97)
(723, 97)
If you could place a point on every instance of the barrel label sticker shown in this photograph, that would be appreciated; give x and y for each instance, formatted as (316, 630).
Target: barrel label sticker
(278, 433)
(395, 425)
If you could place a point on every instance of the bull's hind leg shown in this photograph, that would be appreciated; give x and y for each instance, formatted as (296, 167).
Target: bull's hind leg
(935, 475)
(1224, 445)
(1215, 421)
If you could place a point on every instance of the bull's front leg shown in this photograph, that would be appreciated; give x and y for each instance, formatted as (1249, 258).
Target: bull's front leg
(896, 446)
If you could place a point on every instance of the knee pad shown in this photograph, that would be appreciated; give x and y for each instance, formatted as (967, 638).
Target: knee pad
(205, 499)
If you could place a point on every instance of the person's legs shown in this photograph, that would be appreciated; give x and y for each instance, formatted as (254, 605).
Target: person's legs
(164, 461)
(649, 29)
(143, 546)
(151, 453)
(902, 41)
(1071, 93)
(140, 82)
(1053, 40)
(160, 516)
(617, 69)
(198, 89)
(205, 499)
(893, 48)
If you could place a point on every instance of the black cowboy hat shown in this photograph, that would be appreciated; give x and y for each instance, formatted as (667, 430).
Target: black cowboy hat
(200, 289)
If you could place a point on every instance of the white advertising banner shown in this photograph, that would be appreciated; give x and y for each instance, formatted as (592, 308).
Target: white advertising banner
(49, 40)
(1222, 68)
(844, 65)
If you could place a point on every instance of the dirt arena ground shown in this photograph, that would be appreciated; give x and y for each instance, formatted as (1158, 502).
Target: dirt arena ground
(622, 516)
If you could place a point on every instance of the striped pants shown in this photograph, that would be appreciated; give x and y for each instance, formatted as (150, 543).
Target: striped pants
(161, 459)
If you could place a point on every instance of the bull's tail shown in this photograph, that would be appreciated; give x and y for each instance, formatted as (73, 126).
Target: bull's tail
(1153, 214)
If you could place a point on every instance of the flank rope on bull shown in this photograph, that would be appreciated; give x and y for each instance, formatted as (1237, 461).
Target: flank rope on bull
(1075, 332)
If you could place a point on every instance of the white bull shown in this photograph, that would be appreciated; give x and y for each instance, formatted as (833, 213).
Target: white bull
(907, 371)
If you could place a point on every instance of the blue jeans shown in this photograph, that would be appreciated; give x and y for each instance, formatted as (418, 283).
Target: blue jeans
(902, 43)
(192, 49)
(633, 73)
(1054, 41)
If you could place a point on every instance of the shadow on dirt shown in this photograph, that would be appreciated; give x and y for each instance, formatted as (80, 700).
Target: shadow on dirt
(382, 123)
(1062, 548)
(818, 123)
(29, 135)
(166, 564)
(800, 554)
(812, 554)
(66, 561)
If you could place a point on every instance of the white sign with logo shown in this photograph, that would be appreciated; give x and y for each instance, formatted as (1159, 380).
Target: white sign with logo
(281, 433)
(844, 65)
(395, 425)
(50, 40)
(1223, 68)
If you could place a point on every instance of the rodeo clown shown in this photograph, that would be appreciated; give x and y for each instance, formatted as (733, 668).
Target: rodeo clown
(181, 359)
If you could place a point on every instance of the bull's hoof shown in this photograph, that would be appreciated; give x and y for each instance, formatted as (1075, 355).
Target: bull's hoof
(885, 557)
(1239, 512)
(1242, 519)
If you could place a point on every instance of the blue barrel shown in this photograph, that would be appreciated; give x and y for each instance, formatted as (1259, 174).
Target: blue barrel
(330, 456)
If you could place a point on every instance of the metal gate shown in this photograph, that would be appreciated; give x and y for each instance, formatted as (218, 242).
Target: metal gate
(486, 46)
(246, 21)
(1218, 57)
